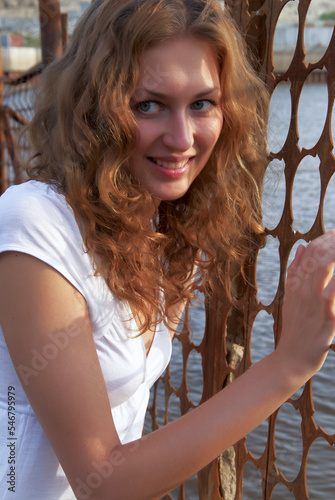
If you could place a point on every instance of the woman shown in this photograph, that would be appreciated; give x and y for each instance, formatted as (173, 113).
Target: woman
(149, 138)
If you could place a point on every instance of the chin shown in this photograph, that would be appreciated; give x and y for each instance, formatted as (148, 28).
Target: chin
(170, 194)
(170, 197)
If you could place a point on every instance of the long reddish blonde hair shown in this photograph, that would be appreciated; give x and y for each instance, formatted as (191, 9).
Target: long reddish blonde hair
(83, 133)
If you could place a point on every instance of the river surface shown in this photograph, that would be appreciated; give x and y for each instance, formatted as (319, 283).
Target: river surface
(321, 461)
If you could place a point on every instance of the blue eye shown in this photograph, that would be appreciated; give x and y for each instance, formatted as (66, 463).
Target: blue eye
(203, 105)
(148, 107)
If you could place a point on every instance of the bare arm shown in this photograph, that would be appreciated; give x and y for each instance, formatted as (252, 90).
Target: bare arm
(35, 301)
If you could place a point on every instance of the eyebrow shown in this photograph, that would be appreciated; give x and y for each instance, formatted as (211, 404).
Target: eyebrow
(203, 93)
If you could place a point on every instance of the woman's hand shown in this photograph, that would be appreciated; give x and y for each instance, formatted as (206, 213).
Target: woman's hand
(309, 307)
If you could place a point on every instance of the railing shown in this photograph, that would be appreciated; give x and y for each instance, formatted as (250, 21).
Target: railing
(225, 347)
(16, 107)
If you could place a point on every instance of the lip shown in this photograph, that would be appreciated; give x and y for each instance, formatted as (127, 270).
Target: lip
(172, 159)
(168, 171)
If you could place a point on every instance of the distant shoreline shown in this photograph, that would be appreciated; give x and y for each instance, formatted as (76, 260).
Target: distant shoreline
(21, 59)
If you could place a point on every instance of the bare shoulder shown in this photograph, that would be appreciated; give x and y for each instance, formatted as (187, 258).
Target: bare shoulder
(37, 304)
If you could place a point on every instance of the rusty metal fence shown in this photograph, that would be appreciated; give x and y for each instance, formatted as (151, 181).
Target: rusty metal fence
(224, 350)
(17, 94)
(16, 107)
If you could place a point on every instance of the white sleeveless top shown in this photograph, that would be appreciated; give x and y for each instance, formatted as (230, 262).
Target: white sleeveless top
(36, 220)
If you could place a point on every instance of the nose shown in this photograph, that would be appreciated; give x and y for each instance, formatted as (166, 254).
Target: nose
(179, 133)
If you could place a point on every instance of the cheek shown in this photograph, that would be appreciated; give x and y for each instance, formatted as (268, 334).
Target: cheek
(211, 133)
(218, 126)
(147, 134)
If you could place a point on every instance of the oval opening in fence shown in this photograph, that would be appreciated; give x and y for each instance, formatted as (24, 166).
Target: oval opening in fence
(252, 482)
(274, 191)
(312, 113)
(288, 441)
(279, 117)
(321, 470)
(262, 339)
(306, 194)
(317, 34)
(324, 395)
(268, 271)
(256, 440)
(281, 492)
(285, 38)
(329, 206)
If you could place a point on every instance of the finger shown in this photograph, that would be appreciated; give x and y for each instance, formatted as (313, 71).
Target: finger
(317, 262)
(329, 299)
(323, 247)
(297, 258)
(292, 279)
(298, 255)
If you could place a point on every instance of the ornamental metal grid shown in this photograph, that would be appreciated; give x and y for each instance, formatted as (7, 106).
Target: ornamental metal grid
(16, 108)
(224, 350)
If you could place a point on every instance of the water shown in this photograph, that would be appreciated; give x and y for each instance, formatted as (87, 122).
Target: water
(31, 25)
(321, 461)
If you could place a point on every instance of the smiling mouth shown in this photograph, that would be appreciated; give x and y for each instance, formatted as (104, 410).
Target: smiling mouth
(169, 164)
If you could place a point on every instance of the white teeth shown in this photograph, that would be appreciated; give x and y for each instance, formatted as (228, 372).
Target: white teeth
(171, 165)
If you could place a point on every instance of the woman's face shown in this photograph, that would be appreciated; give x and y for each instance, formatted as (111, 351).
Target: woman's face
(177, 108)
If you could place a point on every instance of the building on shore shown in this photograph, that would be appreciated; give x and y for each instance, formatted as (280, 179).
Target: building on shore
(317, 35)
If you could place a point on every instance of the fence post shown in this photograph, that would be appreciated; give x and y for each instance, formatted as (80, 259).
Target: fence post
(65, 30)
(3, 170)
(51, 30)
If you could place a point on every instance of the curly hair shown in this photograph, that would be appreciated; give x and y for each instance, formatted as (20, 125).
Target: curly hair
(84, 132)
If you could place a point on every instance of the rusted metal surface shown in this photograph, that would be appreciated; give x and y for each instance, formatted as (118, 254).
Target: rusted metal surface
(17, 94)
(16, 106)
(65, 30)
(228, 329)
(52, 35)
(264, 16)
